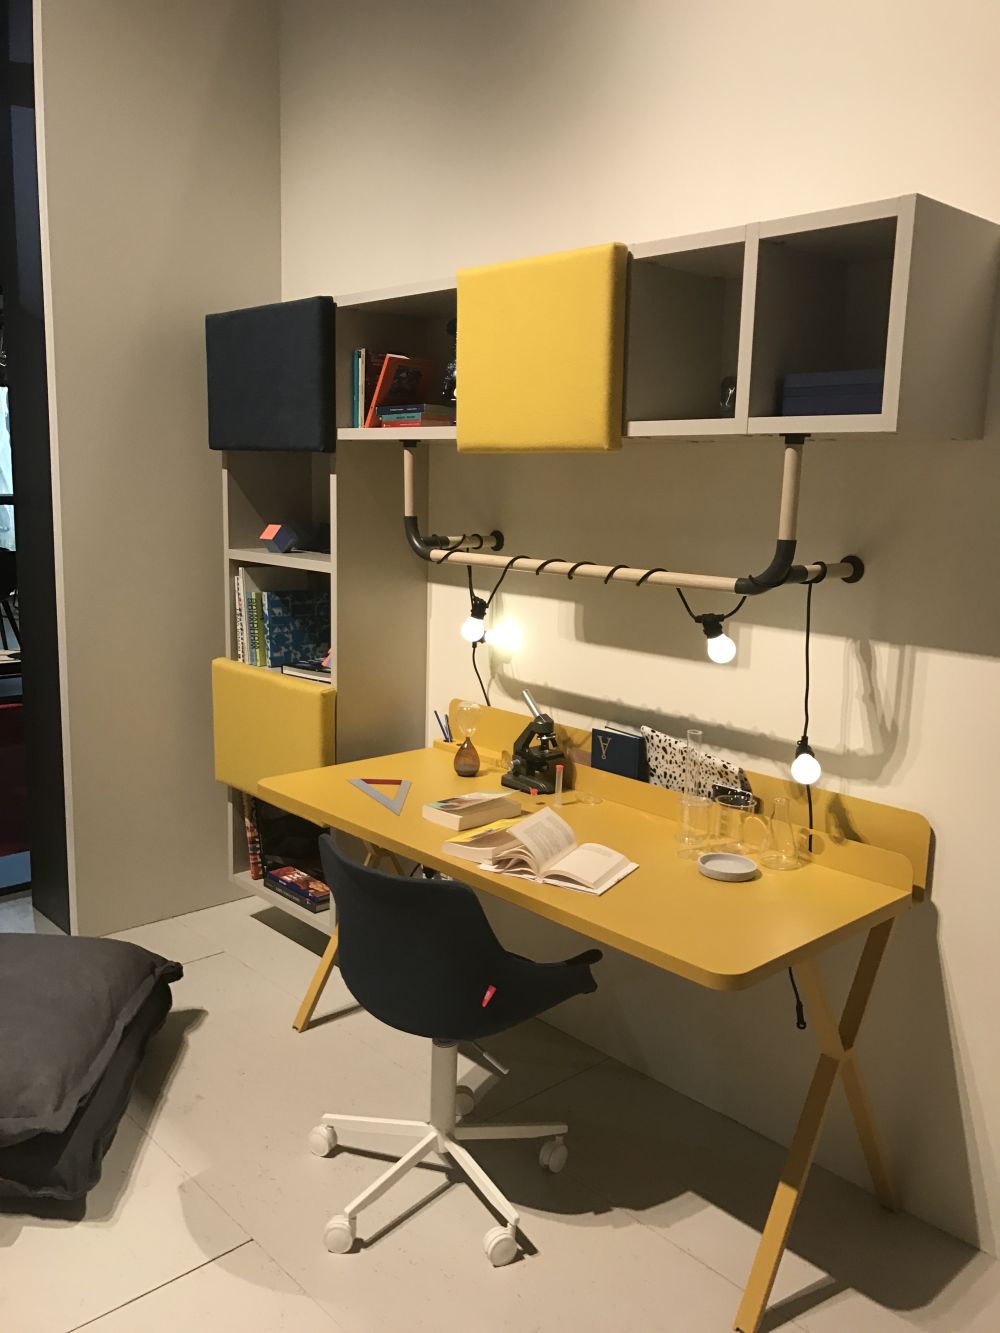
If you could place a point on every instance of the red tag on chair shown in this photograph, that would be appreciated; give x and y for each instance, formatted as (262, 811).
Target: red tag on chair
(490, 992)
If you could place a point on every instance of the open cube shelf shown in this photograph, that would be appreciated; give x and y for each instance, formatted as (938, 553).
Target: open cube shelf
(410, 321)
(683, 359)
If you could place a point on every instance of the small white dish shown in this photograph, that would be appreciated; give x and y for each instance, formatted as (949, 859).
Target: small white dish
(727, 866)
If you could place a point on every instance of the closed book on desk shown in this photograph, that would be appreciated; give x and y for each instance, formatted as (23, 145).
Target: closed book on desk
(472, 810)
(621, 752)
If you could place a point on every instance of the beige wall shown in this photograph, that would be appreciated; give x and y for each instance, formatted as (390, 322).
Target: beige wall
(159, 136)
(506, 129)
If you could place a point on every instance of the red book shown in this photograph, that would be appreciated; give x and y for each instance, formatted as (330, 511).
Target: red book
(402, 379)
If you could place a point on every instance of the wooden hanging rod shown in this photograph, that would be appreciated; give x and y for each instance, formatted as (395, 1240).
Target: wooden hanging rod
(468, 548)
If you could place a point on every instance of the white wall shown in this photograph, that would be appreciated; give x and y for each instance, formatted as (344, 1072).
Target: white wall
(158, 130)
(499, 130)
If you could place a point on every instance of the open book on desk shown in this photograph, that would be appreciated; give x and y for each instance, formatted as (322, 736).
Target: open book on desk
(542, 848)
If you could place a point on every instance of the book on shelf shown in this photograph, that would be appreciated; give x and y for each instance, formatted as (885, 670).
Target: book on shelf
(298, 887)
(544, 849)
(367, 367)
(401, 380)
(254, 855)
(279, 619)
(316, 668)
(296, 625)
(239, 612)
(472, 809)
(419, 414)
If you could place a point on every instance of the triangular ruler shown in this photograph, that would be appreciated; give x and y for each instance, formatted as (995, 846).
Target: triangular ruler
(393, 803)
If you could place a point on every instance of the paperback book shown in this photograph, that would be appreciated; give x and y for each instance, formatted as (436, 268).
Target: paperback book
(544, 849)
(298, 887)
(472, 809)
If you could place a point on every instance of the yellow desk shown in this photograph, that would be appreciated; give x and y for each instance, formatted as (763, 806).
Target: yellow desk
(724, 936)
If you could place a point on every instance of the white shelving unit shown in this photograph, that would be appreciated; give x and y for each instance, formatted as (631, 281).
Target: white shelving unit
(399, 435)
(378, 608)
(316, 561)
(906, 286)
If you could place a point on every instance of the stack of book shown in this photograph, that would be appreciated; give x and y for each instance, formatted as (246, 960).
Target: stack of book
(388, 381)
(316, 668)
(417, 414)
(279, 627)
(298, 887)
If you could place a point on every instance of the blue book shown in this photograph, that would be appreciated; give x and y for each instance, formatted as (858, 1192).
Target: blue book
(356, 357)
(620, 752)
(296, 625)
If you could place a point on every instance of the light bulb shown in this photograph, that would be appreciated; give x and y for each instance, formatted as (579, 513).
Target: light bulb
(805, 765)
(473, 629)
(721, 648)
(507, 637)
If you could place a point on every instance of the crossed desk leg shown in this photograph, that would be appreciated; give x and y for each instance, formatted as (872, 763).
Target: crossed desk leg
(836, 1059)
(325, 966)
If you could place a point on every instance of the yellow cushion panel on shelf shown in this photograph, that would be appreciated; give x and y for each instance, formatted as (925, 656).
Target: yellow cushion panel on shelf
(267, 723)
(540, 354)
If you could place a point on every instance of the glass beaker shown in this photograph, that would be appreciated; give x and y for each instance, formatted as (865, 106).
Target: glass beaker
(735, 812)
(782, 851)
(695, 808)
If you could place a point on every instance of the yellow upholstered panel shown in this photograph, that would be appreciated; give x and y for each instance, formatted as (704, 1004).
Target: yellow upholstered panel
(541, 347)
(267, 723)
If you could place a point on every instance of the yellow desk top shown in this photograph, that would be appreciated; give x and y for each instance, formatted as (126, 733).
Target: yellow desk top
(723, 936)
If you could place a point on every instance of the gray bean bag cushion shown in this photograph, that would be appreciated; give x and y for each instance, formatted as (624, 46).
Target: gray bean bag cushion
(68, 1007)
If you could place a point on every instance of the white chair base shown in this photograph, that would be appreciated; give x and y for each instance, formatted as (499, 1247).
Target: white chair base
(439, 1134)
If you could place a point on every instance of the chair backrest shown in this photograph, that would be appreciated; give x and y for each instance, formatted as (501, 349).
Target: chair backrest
(418, 954)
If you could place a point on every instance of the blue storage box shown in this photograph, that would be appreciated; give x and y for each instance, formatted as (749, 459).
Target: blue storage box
(832, 393)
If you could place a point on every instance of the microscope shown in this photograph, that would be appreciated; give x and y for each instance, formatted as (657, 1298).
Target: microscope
(536, 754)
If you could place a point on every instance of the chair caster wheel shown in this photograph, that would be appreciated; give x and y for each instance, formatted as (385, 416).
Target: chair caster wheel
(553, 1155)
(500, 1246)
(322, 1140)
(465, 1100)
(339, 1234)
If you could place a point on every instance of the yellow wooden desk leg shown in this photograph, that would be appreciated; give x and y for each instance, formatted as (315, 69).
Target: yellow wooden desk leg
(857, 1097)
(320, 977)
(786, 1199)
(322, 974)
(836, 1059)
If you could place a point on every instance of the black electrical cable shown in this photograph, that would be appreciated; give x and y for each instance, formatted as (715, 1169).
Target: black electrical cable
(475, 667)
(800, 1016)
(503, 574)
(800, 1009)
(805, 701)
(698, 619)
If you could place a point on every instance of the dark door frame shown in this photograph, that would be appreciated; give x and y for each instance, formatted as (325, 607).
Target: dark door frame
(27, 378)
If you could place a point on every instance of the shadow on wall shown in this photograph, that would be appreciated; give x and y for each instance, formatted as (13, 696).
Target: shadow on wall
(888, 709)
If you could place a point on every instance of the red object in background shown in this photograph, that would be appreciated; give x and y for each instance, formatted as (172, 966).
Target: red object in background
(13, 781)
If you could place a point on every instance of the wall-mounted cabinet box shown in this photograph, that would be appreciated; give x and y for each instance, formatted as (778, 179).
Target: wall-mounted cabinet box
(686, 308)
(411, 321)
(900, 292)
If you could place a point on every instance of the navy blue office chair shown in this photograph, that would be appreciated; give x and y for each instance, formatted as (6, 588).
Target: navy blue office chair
(421, 956)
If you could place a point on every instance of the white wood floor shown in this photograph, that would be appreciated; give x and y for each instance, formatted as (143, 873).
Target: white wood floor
(210, 1212)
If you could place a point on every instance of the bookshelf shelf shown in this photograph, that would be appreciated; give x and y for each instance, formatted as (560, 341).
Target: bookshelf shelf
(316, 561)
(387, 433)
(257, 887)
(694, 428)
